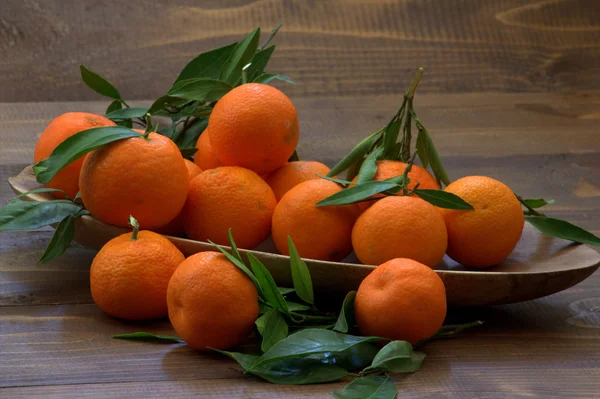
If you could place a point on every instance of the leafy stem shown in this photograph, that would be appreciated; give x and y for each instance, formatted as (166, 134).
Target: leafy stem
(530, 210)
(406, 180)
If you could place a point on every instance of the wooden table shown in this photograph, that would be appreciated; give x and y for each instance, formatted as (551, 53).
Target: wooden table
(512, 90)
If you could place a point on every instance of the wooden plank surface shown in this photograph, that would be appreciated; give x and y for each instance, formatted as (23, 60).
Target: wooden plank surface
(54, 342)
(330, 47)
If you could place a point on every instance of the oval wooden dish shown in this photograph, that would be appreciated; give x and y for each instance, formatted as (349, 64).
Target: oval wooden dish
(539, 266)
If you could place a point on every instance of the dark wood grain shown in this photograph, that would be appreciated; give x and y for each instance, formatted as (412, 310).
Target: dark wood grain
(330, 47)
(56, 343)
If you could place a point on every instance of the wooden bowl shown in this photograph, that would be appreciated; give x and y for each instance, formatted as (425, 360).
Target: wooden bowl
(539, 266)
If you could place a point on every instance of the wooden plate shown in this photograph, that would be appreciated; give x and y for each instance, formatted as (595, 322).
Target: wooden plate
(539, 266)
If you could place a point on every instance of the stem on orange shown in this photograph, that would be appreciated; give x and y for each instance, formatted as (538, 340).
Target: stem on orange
(136, 227)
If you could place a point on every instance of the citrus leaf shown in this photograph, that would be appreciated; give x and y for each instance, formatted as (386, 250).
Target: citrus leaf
(370, 387)
(346, 318)
(396, 357)
(200, 89)
(264, 78)
(270, 37)
(259, 63)
(160, 106)
(206, 65)
(61, 239)
(113, 106)
(339, 181)
(270, 292)
(286, 79)
(98, 83)
(443, 199)
(243, 359)
(390, 136)
(537, 202)
(432, 155)
(147, 337)
(300, 275)
(127, 113)
(241, 55)
(234, 249)
(240, 265)
(275, 329)
(76, 146)
(422, 150)
(297, 307)
(309, 342)
(562, 229)
(357, 153)
(39, 190)
(285, 291)
(368, 170)
(29, 215)
(454, 329)
(361, 191)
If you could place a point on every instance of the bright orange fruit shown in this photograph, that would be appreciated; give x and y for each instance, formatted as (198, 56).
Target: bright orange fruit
(205, 157)
(293, 173)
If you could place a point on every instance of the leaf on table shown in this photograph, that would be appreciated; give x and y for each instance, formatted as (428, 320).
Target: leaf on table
(77, 146)
(147, 337)
(274, 330)
(346, 317)
(443, 199)
(396, 357)
(297, 307)
(563, 229)
(370, 387)
(61, 239)
(300, 275)
(29, 215)
(537, 202)
(98, 83)
(207, 65)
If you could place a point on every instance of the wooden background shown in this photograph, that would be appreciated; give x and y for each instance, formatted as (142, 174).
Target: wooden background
(511, 90)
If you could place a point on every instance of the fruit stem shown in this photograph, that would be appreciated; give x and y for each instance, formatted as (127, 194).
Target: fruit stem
(149, 127)
(530, 210)
(245, 73)
(136, 227)
(411, 90)
(406, 172)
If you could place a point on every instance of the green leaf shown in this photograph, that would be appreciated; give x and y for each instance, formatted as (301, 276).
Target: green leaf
(113, 106)
(390, 136)
(127, 113)
(264, 78)
(98, 83)
(147, 337)
(537, 202)
(167, 106)
(362, 191)
(562, 229)
(370, 387)
(311, 341)
(357, 153)
(234, 249)
(243, 359)
(422, 150)
(189, 137)
(396, 357)
(346, 318)
(61, 239)
(239, 264)
(241, 55)
(300, 275)
(454, 329)
(338, 181)
(188, 152)
(297, 307)
(29, 215)
(286, 79)
(200, 89)
(39, 190)
(270, 37)
(356, 358)
(259, 63)
(270, 292)
(275, 329)
(443, 199)
(207, 65)
(285, 291)
(76, 146)
(432, 155)
(368, 170)
(125, 123)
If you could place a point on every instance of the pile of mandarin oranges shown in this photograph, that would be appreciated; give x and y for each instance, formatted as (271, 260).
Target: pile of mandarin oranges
(241, 179)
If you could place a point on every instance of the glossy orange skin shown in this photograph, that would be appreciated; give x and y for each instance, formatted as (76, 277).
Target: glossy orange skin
(486, 236)
(401, 300)
(205, 158)
(293, 173)
(175, 226)
(129, 278)
(254, 126)
(61, 128)
(387, 169)
(229, 197)
(322, 233)
(147, 179)
(211, 302)
(400, 227)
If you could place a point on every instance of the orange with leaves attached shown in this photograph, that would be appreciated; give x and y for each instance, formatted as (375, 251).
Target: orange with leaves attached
(401, 300)
(143, 177)
(254, 126)
(293, 173)
(486, 236)
(130, 274)
(211, 302)
(61, 128)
